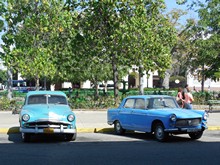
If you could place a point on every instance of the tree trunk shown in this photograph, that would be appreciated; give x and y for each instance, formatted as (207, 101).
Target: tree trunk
(9, 86)
(141, 85)
(105, 87)
(96, 90)
(203, 79)
(115, 78)
(37, 86)
(166, 80)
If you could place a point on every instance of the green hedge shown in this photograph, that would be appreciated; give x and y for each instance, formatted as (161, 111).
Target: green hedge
(85, 98)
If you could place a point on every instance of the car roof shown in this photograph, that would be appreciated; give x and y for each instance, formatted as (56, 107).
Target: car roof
(148, 96)
(46, 93)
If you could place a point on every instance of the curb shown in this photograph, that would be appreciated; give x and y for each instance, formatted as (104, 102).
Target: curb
(14, 130)
(213, 128)
(79, 130)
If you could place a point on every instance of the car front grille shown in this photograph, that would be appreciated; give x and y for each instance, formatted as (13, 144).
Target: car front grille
(46, 124)
(188, 122)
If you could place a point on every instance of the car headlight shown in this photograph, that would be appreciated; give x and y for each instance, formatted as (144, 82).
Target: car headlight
(173, 117)
(205, 116)
(70, 117)
(25, 117)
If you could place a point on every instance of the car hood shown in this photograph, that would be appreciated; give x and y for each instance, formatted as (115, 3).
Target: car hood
(180, 113)
(51, 112)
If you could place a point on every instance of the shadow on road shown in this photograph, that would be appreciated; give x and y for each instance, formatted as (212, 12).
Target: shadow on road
(133, 136)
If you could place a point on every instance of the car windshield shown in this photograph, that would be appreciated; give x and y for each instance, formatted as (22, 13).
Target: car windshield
(43, 99)
(162, 103)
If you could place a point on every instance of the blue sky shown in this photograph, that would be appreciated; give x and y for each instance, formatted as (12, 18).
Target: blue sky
(171, 4)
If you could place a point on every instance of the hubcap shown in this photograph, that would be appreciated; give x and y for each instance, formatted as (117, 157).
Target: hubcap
(118, 127)
(159, 133)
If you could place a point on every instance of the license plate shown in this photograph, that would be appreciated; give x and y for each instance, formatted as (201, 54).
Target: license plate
(192, 130)
(48, 130)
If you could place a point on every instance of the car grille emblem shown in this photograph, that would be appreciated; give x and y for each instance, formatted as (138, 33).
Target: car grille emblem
(189, 122)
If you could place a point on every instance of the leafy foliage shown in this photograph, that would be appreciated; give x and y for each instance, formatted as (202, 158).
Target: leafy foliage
(3, 76)
(209, 32)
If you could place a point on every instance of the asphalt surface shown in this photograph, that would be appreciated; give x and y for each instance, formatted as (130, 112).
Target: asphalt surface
(87, 121)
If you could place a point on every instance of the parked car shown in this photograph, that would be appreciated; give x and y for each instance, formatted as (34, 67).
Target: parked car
(47, 112)
(157, 114)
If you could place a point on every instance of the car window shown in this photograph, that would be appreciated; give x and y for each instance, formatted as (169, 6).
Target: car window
(42, 99)
(140, 104)
(129, 103)
(55, 99)
(37, 99)
(160, 103)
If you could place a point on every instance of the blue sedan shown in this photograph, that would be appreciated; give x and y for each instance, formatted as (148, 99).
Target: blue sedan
(47, 112)
(157, 114)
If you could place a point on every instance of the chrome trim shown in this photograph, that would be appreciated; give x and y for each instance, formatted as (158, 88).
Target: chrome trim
(36, 130)
(181, 129)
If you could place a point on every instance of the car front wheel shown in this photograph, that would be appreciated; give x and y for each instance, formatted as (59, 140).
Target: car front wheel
(70, 137)
(159, 132)
(118, 128)
(196, 135)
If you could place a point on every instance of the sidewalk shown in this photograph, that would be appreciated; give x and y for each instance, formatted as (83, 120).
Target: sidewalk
(87, 121)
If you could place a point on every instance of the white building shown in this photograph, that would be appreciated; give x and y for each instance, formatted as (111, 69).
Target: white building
(209, 85)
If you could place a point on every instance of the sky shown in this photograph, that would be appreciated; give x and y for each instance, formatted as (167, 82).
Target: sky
(171, 4)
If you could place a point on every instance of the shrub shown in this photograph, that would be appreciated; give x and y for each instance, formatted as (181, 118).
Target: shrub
(4, 103)
(202, 97)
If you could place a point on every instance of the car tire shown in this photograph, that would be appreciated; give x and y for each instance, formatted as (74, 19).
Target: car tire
(70, 137)
(118, 128)
(196, 135)
(159, 133)
(26, 137)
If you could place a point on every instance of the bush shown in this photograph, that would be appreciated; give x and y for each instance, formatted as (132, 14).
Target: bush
(5, 104)
(90, 102)
(202, 97)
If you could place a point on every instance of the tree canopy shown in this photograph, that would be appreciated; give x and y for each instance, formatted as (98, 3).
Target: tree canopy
(85, 40)
(100, 40)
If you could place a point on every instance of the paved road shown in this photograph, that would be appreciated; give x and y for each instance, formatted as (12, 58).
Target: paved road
(109, 149)
(87, 121)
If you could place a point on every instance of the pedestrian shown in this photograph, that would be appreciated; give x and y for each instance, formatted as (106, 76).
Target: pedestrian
(188, 99)
(186, 88)
(179, 97)
(70, 91)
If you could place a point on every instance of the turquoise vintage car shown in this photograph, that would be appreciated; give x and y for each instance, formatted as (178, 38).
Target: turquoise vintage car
(157, 114)
(47, 112)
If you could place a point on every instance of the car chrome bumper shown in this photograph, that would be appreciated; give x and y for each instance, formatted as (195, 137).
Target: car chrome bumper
(47, 130)
(188, 130)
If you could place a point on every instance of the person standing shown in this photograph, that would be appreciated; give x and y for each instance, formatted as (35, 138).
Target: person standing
(188, 99)
(179, 97)
(70, 91)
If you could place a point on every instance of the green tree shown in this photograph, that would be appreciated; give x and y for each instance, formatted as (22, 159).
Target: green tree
(184, 47)
(33, 30)
(207, 56)
(126, 33)
(3, 76)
